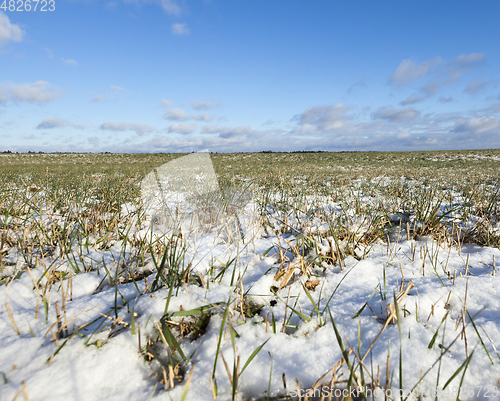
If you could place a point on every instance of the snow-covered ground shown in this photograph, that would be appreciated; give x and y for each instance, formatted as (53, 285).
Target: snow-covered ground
(283, 291)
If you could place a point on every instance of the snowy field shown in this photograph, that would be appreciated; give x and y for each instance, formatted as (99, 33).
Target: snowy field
(369, 276)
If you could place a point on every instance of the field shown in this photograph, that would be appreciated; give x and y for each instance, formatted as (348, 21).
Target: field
(270, 276)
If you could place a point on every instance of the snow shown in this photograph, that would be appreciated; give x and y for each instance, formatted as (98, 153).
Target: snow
(99, 365)
(117, 371)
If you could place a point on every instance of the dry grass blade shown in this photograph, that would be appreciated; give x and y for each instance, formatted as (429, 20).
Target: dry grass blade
(390, 319)
(11, 317)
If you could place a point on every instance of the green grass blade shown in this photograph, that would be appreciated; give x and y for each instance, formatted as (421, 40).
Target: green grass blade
(224, 317)
(342, 349)
(365, 304)
(251, 357)
(312, 301)
(479, 335)
(172, 342)
(301, 315)
(463, 365)
(433, 339)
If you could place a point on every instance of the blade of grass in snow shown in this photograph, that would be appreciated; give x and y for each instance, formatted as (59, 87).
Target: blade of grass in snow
(480, 338)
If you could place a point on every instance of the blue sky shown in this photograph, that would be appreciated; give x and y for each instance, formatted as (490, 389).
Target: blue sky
(250, 75)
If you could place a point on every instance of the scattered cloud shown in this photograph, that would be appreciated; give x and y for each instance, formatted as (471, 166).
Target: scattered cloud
(443, 99)
(182, 128)
(392, 114)
(180, 29)
(462, 65)
(431, 87)
(165, 103)
(176, 114)
(97, 99)
(49, 52)
(70, 62)
(436, 72)
(475, 86)
(117, 88)
(9, 32)
(52, 123)
(202, 117)
(138, 128)
(403, 135)
(324, 118)
(412, 99)
(492, 109)
(179, 114)
(227, 132)
(202, 105)
(170, 7)
(331, 127)
(478, 125)
(115, 92)
(408, 70)
(36, 92)
(361, 83)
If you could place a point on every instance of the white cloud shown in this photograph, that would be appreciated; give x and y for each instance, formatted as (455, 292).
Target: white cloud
(226, 132)
(325, 118)
(443, 99)
(50, 123)
(141, 129)
(182, 128)
(202, 105)
(463, 64)
(70, 62)
(475, 86)
(408, 70)
(138, 128)
(412, 99)
(478, 125)
(431, 87)
(114, 126)
(165, 103)
(180, 29)
(403, 135)
(437, 75)
(38, 92)
(202, 117)
(493, 108)
(117, 88)
(170, 6)
(9, 32)
(391, 114)
(360, 83)
(176, 114)
(115, 92)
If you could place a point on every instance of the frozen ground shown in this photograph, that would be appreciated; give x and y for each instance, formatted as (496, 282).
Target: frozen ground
(91, 324)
